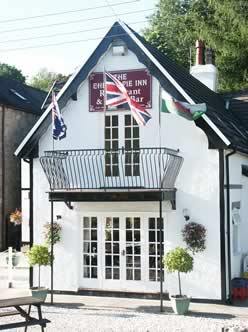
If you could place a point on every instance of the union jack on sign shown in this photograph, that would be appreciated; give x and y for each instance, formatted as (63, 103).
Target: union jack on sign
(116, 95)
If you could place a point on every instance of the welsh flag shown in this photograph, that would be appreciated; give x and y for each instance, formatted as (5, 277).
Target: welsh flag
(186, 110)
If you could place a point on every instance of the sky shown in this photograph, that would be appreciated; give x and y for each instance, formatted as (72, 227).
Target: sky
(23, 39)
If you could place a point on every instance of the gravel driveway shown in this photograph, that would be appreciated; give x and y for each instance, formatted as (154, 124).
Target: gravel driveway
(92, 314)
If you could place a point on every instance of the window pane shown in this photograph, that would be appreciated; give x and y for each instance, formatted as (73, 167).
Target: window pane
(86, 272)
(107, 133)
(151, 236)
(115, 170)
(115, 222)
(108, 273)
(93, 222)
(115, 235)
(137, 223)
(136, 158)
(86, 260)
(151, 223)
(152, 275)
(116, 248)
(128, 170)
(137, 236)
(115, 145)
(129, 261)
(86, 234)
(107, 145)
(136, 144)
(128, 223)
(94, 247)
(107, 121)
(86, 222)
(115, 121)
(93, 234)
(129, 274)
(129, 249)
(108, 235)
(152, 263)
(116, 274)
(136, 132)
(115, 158)
(129, 237)
(137, 275)
(116, 260)
(137, 249)
(136, 170)
(94, 260)
(108, 260)
(108, 248)
(128, 132)
(127, 120)
(152, 249)
(86, 246)
(137, 261)
(128, 145)
(93, 272)
(115, 133)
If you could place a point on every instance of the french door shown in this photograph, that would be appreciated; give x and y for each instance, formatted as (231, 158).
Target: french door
(120, 252)
(122, 143)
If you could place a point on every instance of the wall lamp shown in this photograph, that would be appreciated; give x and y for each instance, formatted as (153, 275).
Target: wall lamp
(186, 214)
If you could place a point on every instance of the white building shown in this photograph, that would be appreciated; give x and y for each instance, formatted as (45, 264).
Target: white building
(109, 179)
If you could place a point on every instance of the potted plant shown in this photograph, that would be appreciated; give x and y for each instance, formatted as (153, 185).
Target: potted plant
(39, 255)
(194, 235)
(179, 260)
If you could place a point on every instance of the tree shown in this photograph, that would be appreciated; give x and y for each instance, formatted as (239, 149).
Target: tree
(44, 79)
(223, 25)
(12, 72)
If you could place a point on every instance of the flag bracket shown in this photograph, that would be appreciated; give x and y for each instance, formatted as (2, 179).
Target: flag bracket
(69, 205)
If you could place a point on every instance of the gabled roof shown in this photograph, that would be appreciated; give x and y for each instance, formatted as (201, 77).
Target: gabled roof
(222, 127)
(237, 102)
(20, 96)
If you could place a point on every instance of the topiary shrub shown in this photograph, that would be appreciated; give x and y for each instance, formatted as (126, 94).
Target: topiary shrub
(178, 260)
(39, 255)
(194, 235)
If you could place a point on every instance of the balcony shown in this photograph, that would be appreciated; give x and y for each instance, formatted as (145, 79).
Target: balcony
(96, 171)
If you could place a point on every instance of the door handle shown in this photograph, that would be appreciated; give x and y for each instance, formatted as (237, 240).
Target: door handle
(123, 253)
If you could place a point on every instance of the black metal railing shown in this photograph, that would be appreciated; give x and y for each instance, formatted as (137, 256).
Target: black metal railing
(144, 168)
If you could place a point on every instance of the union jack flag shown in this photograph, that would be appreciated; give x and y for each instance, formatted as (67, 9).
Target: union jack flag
(116, 95)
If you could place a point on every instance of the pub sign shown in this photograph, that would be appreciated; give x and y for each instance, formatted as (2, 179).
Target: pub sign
(138, 83)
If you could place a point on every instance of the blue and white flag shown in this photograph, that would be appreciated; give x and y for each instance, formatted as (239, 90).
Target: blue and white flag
(59, 127)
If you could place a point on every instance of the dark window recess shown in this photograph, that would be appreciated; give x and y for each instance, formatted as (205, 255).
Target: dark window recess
(111, 145)
(132, 157)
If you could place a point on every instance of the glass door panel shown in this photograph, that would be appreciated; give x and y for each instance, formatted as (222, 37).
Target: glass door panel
(133, 248)
(112, 248)
(154, 248)
(90, 250)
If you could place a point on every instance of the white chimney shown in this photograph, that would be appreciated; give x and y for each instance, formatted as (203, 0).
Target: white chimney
(206, 73)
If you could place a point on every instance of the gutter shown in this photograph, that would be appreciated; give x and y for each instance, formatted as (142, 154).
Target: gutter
(229, 300)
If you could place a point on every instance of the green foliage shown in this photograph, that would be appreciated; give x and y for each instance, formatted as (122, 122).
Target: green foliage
(39, 255)
(11, 72)
(56, 233)
(178, 260)
(194, 235)
(223, 25)
(44, 79)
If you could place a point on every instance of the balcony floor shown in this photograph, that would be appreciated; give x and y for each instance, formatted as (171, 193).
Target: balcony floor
(114, 195)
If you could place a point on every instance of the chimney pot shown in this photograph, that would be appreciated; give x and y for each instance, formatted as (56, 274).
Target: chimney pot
(199, 45)
(209, 56)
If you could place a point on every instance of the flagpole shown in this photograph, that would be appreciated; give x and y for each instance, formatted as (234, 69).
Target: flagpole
(104, 123)
(52, 214)
(160, 209)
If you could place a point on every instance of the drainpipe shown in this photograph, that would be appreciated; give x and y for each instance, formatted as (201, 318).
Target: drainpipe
(229, 261)
(3, 227)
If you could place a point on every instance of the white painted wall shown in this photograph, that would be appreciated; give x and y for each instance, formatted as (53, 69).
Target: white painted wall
(198, 189)
(236, 178)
